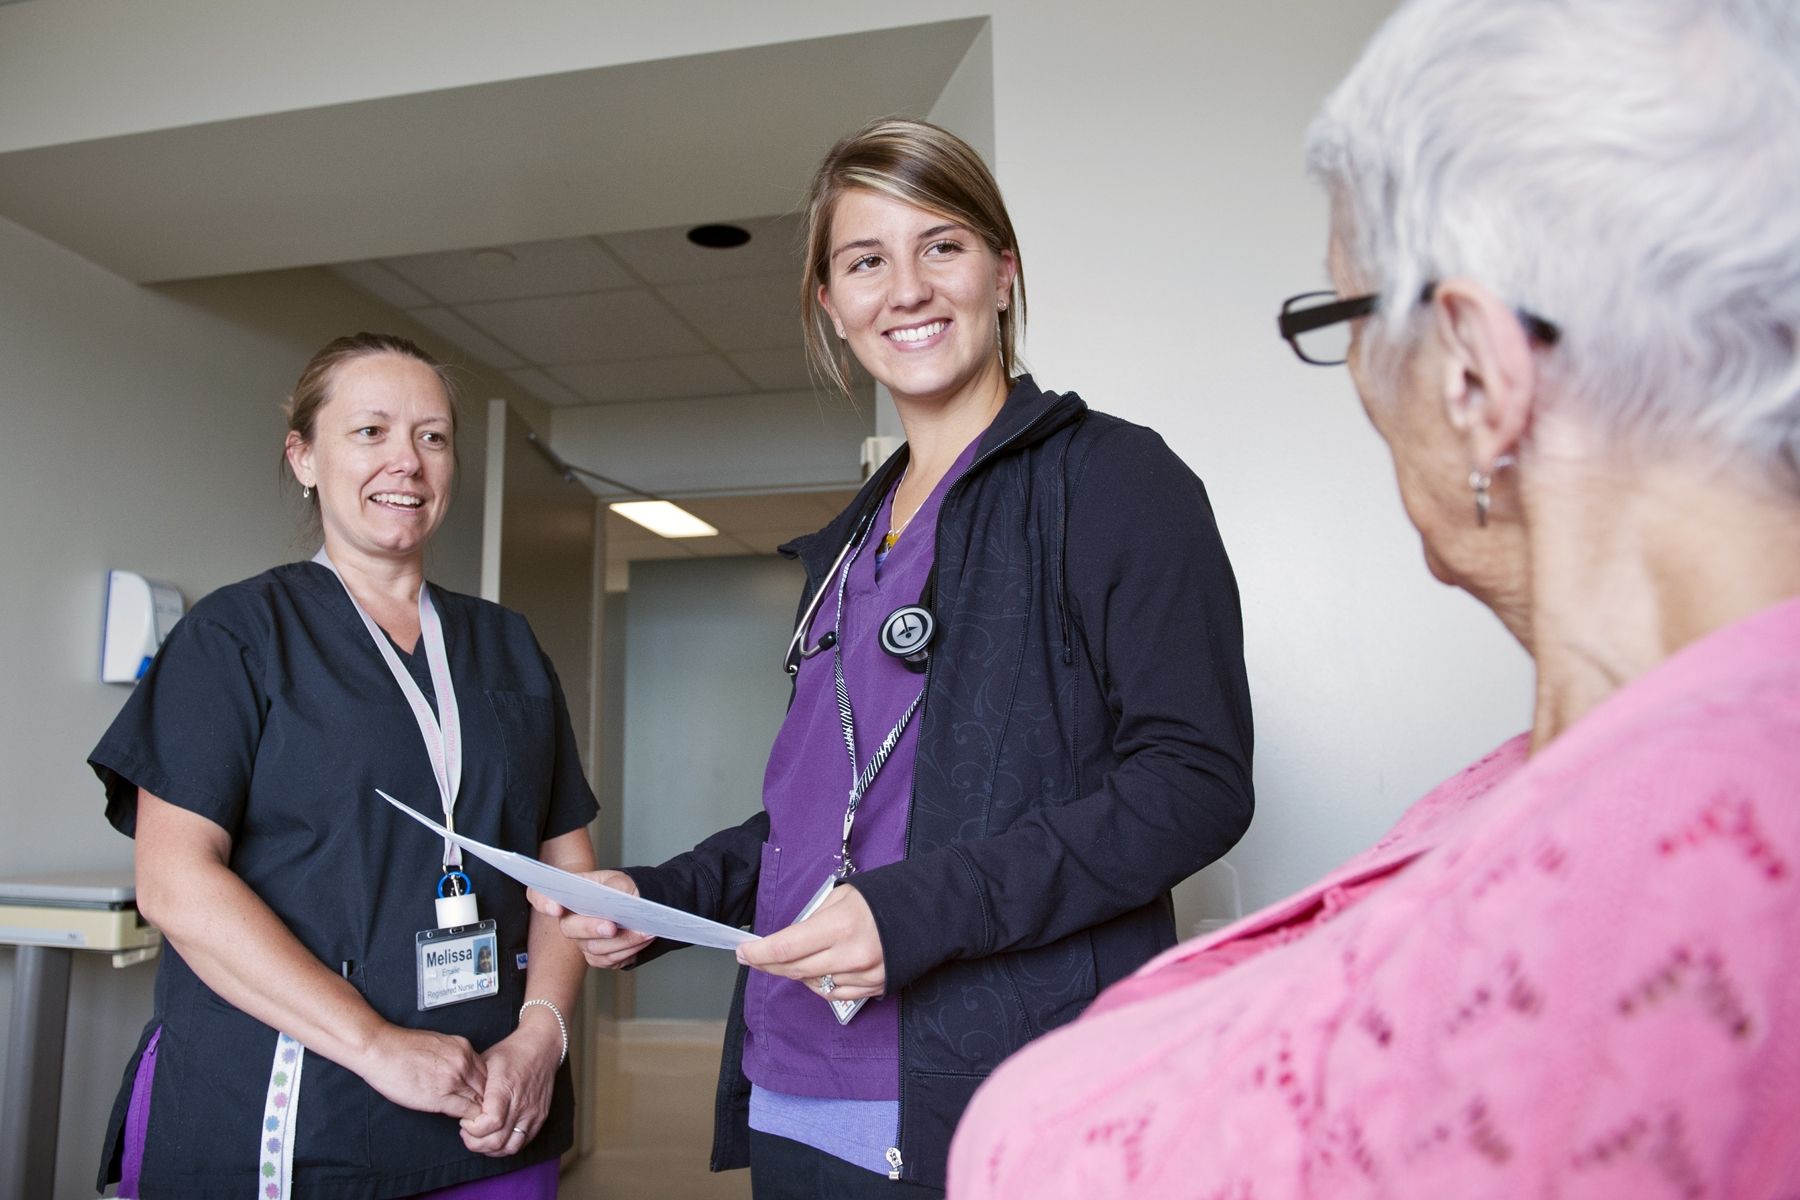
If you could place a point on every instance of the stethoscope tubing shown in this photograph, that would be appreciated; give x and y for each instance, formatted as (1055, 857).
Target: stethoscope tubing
(797, 650)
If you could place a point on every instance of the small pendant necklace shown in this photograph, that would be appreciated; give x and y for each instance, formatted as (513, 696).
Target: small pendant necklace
(894, 531)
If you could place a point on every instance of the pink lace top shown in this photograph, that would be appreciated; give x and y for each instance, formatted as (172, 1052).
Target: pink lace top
(1583, 983)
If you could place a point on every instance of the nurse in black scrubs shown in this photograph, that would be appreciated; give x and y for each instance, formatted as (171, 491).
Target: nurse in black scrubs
(345, 1006)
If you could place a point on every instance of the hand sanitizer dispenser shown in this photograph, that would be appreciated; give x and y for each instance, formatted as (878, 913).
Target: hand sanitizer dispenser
(139, 614)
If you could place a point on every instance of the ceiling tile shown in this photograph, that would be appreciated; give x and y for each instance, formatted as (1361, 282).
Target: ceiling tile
(447, 324)
(549, 390)
(507, 272)
(666, 256)
(654, 379)
(782, 370)
(381, 283)
(595, 327)
(739, 314)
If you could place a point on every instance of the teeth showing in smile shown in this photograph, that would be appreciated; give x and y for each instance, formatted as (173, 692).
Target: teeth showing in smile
(397, 499)
(918, 333)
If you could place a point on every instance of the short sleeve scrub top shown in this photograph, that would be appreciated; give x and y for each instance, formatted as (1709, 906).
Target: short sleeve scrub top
(271, 712)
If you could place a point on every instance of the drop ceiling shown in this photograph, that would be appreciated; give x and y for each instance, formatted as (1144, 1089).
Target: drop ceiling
(614, 318)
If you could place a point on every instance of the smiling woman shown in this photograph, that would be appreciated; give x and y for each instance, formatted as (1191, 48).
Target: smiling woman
(384, 373)
(1023, 640)
(307, 940)
(917, 298)
(380, 459)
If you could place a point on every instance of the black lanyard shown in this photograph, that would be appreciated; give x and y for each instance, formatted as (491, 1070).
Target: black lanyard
(859, 779)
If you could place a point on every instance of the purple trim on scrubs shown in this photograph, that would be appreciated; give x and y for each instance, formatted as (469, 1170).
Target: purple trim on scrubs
(793, 1043)
(527, 1183)
(137, 1118)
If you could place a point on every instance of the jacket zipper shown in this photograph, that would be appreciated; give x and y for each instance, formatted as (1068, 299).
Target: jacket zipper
(894, 1160)
(912, 792)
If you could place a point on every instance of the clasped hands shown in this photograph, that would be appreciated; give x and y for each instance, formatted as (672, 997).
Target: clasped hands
(838, 941)
(500, 1097)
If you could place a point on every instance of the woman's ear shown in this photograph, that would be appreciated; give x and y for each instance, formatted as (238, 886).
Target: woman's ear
(299, 458)
(1007, 271)
(824, 295)
(1489, 378)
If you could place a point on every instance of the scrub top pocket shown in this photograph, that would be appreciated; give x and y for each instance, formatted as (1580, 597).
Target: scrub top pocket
(528, 734)
(767, 889)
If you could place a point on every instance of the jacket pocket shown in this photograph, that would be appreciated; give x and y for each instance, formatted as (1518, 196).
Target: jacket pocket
(1053, 983)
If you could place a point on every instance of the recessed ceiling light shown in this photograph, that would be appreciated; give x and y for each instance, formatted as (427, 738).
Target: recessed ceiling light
(718, 237)
(664, 519)
(493, 256)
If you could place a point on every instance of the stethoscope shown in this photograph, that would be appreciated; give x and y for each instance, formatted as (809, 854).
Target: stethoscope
(906, 633)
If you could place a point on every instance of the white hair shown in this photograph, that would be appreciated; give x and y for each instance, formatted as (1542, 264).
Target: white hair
(1626, 169)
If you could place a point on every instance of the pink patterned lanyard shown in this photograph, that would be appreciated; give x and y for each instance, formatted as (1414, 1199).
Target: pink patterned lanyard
(441, 730)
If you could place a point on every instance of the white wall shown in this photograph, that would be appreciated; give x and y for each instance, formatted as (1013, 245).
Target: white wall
(1153, 168)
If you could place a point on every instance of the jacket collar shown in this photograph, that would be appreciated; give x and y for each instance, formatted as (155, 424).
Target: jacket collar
(1028, 416)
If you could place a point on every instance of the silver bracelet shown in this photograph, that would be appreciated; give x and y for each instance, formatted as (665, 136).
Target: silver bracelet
(561, 1025)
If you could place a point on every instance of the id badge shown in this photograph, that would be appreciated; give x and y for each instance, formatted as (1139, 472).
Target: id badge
(845, 1009)
(455, 965)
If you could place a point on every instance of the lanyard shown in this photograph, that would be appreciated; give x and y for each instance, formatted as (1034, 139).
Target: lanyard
(442, 730)
(859, 780)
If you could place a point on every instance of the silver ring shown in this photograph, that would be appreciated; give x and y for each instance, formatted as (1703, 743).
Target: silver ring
(518, 1129)
(827, 985)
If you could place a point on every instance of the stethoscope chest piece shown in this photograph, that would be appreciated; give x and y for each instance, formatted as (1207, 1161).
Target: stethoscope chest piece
(907, 633)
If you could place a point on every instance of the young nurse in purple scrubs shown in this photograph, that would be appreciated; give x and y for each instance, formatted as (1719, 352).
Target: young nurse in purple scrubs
(1019, 712)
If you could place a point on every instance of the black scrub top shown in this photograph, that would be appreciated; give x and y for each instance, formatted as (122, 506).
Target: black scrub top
(271, 712)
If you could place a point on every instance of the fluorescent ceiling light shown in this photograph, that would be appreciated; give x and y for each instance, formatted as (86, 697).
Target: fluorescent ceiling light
(664, 519)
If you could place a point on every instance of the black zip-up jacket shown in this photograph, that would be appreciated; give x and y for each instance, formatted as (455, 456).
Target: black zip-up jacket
(1084, 745)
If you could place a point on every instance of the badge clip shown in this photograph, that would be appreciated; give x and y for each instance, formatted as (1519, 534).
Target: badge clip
(456, 901)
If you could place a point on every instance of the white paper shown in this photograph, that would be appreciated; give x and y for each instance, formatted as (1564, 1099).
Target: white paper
(588, 898)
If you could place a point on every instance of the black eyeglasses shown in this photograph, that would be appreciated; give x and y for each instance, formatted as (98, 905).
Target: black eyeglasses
(1316, 324)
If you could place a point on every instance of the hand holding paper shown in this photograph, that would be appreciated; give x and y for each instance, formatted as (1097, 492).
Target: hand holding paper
(838, 939)
(581, 895)
(603, 943)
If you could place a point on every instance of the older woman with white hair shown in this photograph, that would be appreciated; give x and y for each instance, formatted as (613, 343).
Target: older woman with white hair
(1566, 250)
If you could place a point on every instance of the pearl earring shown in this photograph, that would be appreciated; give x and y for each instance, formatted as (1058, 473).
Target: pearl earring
(1479, 483)
(306, 493)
